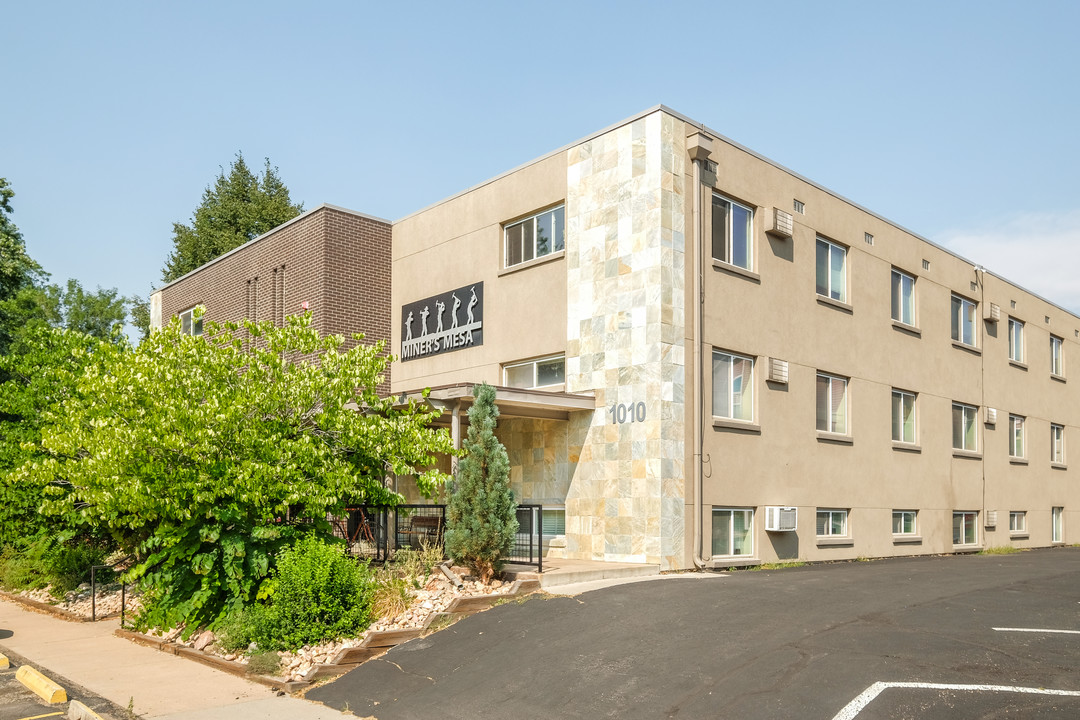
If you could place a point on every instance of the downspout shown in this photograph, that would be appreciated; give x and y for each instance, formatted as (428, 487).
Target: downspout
(700, 147)
(455, 434)
(980, 278)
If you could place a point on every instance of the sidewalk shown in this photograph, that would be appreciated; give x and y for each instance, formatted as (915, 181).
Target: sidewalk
(156, 684)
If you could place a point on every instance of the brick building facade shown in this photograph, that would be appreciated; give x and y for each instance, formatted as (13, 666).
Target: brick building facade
(329, 260)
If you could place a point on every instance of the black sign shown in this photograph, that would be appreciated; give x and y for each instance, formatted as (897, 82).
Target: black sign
(443, 323)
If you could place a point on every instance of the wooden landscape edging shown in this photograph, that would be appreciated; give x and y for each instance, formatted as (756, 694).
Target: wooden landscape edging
(374, 645)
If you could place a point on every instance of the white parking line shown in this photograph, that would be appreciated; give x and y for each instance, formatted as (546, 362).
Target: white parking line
(867, 696)
(1038, 630)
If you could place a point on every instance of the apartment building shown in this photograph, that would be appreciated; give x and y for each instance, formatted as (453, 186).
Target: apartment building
(705, 359)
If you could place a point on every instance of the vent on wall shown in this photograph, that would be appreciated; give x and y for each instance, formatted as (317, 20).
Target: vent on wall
(783, 224)
(781, 519)
(778, 371)
(991, 416)
(991, 519)
(993, 313)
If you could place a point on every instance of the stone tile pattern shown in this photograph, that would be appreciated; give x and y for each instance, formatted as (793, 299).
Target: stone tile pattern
(542, 459)
(625, 331)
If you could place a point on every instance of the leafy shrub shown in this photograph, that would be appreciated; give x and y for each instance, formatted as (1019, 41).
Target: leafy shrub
(58, 561)
(317, 594)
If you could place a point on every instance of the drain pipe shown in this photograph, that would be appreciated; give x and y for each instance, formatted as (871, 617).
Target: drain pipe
(699, 146)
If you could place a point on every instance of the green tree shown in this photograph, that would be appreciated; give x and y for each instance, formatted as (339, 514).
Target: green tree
(481, 517)
(18, 271)
(193, 452)
(238, 208)
(42, 374)
(140, 315)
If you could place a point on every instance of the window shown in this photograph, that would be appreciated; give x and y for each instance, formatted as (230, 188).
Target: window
(963, 320)
(800, 207)
(1056, 522)
(536, 236)
(1016, 340)
(189, 325)
(832, 404)
(903, 522)
(536, 373)
(1057, 365)
(732, 532)
(831, 270)
(903, 416)
(832, 523)
(1016, 436)
(732, 232)
(1057, 444)
(553, 522)
(1018, 521)
(903, 297)
(733, 386)
(964, 435)
(964, 528)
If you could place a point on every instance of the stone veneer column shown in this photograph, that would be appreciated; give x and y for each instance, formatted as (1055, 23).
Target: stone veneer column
(625, 267)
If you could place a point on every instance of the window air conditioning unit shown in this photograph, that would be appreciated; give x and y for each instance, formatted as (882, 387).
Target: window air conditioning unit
(778, 371)
(783, 224)
(993, 313)
(781, 519)
(991, 519)
(991, 416)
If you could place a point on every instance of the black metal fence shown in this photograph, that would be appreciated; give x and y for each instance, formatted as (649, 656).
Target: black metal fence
(367, 530)
(528, 548)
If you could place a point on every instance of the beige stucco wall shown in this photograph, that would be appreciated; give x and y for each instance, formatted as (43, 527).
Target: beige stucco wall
(776, 313)
(460, 242)
(619, 304)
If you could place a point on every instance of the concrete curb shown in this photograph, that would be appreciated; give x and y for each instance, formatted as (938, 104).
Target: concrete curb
(40, 685)
(78, 711)
(46, 608)
(374, 645)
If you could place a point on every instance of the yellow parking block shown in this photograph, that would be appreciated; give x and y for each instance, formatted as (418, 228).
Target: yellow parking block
(4, 662)
(42, 686)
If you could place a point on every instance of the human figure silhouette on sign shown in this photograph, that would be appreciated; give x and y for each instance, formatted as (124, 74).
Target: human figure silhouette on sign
(472, 304)
(408, 327)
(440, 306)
(423, 321)
(453, 310)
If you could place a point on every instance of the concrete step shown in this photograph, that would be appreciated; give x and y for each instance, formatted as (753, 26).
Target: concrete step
(565, 572)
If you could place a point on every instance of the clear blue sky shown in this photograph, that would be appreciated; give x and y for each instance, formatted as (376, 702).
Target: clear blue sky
(958, 120)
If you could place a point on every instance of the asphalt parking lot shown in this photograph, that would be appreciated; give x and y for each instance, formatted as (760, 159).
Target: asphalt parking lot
(19, 703)
(935, 637)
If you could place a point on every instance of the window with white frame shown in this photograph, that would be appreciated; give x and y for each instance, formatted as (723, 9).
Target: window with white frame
(963, 320)
(903, 297)
(1016, 436)
(964, 429)
(535, 236)
(832, 404)
(903, 522)
(965, 528)
(1057, 443)
(1057, 360)
(553, 522)
(732, 532)
(831, 270)
(733, 386)
(1018, 521)
(1057, 529)
(189, 324)
(732, 232)
(903, 416)
(832, 523)
(540, 373)
(1016, 340)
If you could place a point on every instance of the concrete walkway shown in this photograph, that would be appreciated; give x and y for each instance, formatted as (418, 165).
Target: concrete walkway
(156, 684)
